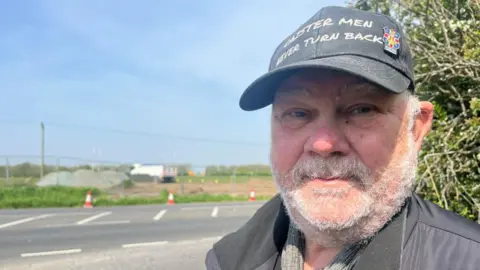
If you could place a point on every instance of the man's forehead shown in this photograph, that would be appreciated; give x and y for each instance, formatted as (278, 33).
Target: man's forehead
(309, 83)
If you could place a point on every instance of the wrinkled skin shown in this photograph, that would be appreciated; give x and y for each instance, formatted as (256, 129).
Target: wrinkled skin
(344, 156)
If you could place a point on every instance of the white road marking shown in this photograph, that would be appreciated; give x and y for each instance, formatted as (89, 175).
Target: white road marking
(83, 221)
(182, 242)
(109, 222)
(212, 238)
(160, 214)
(215, 211)
(56, 252)
(145, 244)
(13, 223)
(195, 241)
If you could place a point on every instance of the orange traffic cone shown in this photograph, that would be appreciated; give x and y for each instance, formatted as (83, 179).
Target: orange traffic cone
(252, 195)
(88, 200)
(171, 200)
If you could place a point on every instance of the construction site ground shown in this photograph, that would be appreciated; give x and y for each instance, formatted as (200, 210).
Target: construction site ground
(261, 186)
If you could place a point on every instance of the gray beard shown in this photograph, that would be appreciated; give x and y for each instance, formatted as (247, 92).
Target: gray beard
(377, 205)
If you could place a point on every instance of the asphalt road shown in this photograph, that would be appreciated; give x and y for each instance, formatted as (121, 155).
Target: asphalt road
(133, 237)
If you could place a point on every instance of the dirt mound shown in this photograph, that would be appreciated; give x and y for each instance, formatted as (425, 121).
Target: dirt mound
(83, 178)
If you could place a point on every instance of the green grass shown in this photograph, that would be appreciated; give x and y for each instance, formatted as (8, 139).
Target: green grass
(17, 181)
(22, 193)
(28, 197)
(41, 197)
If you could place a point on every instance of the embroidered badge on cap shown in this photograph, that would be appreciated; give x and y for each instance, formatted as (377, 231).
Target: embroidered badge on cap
(391, 40)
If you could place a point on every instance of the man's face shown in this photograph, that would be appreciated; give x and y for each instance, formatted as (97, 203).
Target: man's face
(343, 153)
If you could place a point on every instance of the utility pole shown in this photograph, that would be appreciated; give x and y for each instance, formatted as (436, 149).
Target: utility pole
(7, 173)
(42, 149)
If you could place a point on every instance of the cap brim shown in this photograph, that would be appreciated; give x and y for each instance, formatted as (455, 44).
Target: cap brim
(262, 91)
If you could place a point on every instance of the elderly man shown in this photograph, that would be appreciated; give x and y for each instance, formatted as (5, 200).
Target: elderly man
(346, 130)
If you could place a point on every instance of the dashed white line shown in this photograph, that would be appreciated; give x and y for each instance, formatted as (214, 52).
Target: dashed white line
(182, 242)
(145, 244)
(160, 214)
(215, 211)
(13, 223)
(133, 245)
(83, 221)
(56, 252)
(109, 222)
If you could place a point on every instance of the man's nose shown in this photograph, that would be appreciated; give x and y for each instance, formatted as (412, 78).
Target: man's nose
(327, 141)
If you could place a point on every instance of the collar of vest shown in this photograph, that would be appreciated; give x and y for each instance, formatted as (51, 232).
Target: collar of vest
(262, 238)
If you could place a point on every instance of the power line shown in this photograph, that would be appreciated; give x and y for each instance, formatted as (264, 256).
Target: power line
(141, 133)
(149, 134)
(102, 162)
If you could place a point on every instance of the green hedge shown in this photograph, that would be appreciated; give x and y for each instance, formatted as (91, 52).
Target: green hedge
(447, 76)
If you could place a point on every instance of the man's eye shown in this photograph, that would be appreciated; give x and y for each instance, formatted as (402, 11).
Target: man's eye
(362, 110)
(298, 114)
(295, 118)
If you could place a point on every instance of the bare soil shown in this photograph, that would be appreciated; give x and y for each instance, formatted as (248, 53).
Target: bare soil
(260, 186)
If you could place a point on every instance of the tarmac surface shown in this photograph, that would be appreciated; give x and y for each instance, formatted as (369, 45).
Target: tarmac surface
(131, 237)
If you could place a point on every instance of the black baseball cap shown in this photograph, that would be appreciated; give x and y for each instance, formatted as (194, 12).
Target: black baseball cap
(364, 44)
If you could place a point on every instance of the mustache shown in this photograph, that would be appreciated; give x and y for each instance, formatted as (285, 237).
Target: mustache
(331, 167)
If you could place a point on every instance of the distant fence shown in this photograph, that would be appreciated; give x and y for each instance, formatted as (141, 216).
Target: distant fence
(116, 179)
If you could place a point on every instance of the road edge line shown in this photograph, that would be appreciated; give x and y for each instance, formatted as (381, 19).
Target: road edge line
(54, 252)
(144, 244)
(86, 220)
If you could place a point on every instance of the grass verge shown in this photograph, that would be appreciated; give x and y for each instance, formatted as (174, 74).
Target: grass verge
(43, 197)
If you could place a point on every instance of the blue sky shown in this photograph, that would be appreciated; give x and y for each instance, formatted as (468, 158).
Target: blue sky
(109, 77)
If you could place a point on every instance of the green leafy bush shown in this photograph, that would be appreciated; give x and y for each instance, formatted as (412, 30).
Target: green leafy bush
(444, 37)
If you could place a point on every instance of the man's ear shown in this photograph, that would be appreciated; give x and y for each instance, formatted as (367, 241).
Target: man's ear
(423, 123)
